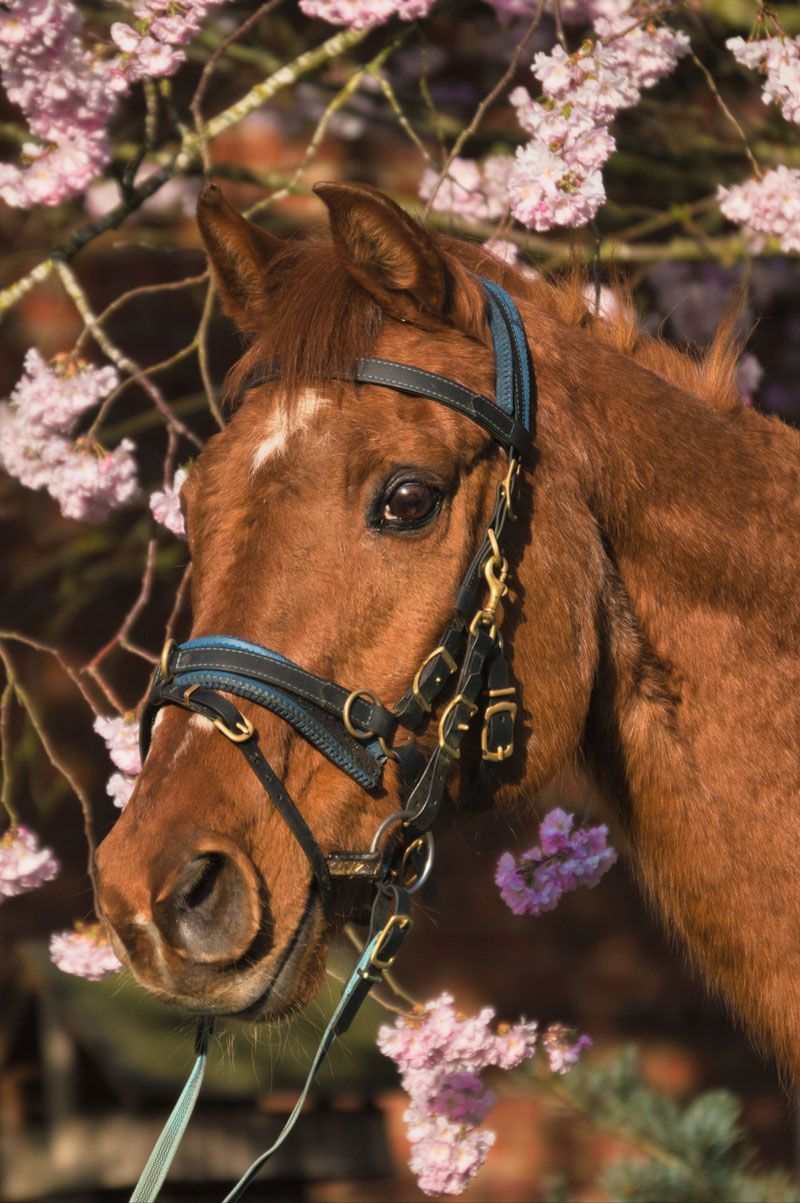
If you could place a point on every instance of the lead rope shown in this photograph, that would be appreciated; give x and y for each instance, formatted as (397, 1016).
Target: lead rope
(386, 936)
(158, 1163)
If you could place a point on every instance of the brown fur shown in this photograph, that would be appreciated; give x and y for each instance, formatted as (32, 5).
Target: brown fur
(652, 621)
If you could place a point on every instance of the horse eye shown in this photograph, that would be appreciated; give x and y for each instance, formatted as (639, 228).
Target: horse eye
(410, 503)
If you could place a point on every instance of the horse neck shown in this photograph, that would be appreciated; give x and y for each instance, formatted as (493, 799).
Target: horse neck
(690, 614)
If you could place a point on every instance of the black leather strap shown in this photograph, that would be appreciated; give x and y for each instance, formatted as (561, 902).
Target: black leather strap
(419, 383)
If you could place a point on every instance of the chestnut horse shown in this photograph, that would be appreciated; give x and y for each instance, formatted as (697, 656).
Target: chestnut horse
(651, 625)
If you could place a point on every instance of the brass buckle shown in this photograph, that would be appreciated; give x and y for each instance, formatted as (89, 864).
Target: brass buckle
(375, 960)
(166, 652)
(472, 709)
(388, 752)
(504, 706)
(442, 651)
(243, 731)
(506, 485)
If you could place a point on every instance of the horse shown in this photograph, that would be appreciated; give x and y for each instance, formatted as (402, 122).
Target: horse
(650, 616)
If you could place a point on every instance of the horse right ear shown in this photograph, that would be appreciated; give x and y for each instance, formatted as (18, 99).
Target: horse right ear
(238, 255)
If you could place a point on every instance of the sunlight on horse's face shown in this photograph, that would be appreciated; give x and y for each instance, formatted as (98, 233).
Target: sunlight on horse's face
(333, 529)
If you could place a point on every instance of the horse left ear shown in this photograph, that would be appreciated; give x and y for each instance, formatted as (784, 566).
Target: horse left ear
(239, 254)
(398, 262)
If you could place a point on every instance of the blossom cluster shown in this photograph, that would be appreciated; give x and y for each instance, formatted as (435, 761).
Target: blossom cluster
(562, 1047)
(37, 447)
(473, 191)
(779, 59)
(557, 178)
(165, 505)
(562, 860)
(67, 92)
(766, 207)
(61, 88)
(440, 1055)
(365, 14)
(121, 737)
(84, 952)
(24, 865)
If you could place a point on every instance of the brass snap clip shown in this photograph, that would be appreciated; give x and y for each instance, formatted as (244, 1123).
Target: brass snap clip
(495, 572)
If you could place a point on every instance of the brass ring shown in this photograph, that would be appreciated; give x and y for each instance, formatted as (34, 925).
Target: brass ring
(348, 722)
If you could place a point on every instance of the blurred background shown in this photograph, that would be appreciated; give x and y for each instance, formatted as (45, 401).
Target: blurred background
(88, 1071)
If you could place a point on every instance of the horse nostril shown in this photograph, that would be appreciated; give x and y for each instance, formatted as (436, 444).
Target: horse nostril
(211, 911)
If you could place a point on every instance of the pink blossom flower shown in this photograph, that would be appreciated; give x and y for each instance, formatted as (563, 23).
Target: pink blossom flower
(119, 788)
(36, 445)
(60, 86)
(471, 190)
(446, 1156)
(121, 736)
(84, 951)
(68, 93)
(562, 1047)
(556, 179)
(165, 505)
(23, 864)
(506, 252)
(779, 59)
(440, 1055)
(564, 859)
(749, 374)
(365, 14)
(766, 207)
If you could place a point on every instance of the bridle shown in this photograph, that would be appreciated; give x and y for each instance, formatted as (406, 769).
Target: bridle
(352, 728)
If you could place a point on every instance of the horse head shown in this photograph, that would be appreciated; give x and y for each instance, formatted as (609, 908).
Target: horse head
(331, 523)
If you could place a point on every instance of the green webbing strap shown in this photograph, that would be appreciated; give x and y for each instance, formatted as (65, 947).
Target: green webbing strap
(161, 1158)
(390, 924)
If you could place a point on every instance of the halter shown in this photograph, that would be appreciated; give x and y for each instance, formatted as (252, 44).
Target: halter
(353, 729)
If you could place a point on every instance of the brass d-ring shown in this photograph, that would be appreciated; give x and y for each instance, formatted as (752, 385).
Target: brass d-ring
(346, 719)
(365, 735)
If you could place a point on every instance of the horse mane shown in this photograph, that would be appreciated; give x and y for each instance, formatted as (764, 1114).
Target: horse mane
(321, 321)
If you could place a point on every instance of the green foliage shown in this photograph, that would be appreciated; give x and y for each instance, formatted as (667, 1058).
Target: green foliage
(692, 1153)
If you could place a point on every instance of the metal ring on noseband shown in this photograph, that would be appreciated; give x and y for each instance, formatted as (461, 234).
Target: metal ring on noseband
(388, 752)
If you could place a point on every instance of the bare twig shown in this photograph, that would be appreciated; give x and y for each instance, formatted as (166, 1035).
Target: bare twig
(30, 708)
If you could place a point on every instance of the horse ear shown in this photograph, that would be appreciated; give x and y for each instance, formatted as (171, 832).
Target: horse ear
(396, 260)
(238, 255)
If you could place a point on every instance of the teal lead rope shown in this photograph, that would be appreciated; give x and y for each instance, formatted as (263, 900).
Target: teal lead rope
(165, 1148)
(377, 956)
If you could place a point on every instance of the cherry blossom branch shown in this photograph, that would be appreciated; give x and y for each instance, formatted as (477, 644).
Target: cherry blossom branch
(338, 102)
(715, 92)
(5, 752)
(488, 100)
(26, 702)
(143, 597)
(195, 106)
(122, 361)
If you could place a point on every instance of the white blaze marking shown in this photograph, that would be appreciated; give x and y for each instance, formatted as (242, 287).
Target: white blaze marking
(285, 422)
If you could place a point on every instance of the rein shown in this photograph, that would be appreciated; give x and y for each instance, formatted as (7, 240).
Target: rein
(354, 730)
